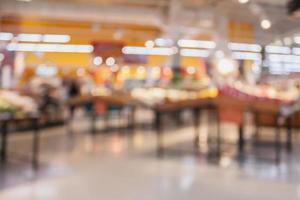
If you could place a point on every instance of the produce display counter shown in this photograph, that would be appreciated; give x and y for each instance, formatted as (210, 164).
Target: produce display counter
(226, 108)
(6, 121)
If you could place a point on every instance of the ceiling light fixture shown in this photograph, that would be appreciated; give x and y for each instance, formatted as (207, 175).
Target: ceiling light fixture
(149, 44)
(6, 36)
(297, 39)
(196, 44)
(110, 61)
(194, 53)
(148, 51)
(24, 0)
(62, 48)
(56, 38)
(245, 47)
(243, 1)
(98, 61)
(23, 37)
(265, 24)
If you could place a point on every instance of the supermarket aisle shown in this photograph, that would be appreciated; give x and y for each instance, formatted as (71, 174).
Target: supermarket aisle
(123, 166)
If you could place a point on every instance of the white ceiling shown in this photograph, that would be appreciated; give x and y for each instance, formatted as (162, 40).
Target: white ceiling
(193, 14)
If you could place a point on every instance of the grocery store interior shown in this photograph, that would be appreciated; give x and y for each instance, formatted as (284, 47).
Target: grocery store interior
(149, 99)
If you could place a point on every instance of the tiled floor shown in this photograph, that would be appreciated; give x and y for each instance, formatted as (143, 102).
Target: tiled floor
(123, 165)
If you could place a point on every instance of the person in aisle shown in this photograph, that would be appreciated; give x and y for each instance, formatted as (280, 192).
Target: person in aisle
(73, 92)
(49, 103)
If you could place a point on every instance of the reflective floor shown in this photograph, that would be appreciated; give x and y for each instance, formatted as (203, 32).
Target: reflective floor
(123, 164)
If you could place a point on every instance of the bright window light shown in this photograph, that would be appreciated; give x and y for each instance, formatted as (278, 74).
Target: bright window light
(297, 39)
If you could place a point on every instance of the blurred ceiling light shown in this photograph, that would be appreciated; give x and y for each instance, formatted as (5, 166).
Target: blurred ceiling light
(162, 42)
(247, 56)
(110, 61)
(23, 37)
(265, 24)
(6, 36)
(50, 48)
(24, 0)
(219, 54)
(191, 70)
(148, 51)
(278, 49)
(243, 1)
(244, 47)
(56, 38)
(226, 66)
(275, 58)
(196, 44)
(297, 39)
(194, 53)
(149, 44)
(98, 61)
(288, 41)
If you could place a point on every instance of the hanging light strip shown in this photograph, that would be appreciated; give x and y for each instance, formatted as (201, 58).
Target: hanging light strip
(149, 51)
(278, 49)
(245, 47)
(25, 37)
(194, 53)
(50, 48)
(196, 44)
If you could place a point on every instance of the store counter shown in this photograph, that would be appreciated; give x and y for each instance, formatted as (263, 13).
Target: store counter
(6, 121)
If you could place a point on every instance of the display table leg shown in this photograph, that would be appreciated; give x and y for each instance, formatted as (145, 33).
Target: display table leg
(218, 133)
(132, 117)
(278, 144)
(93, 123)
(257, 129)
(159, 132)
(4, 142)
(241, 139)
(196, 125)
(289, 143)
(36, 144)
